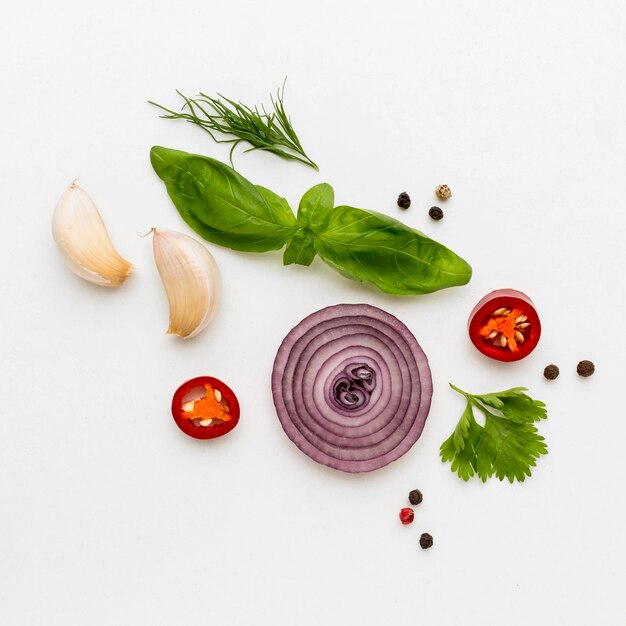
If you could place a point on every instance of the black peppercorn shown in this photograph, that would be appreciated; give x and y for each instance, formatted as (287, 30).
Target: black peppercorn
(585, 368)
(404, 201)
(415, 497)
(435, 212)
(426, 541)
(551, 372)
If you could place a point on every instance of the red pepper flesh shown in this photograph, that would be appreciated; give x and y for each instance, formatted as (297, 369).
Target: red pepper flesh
(205, 408)
(504, 325)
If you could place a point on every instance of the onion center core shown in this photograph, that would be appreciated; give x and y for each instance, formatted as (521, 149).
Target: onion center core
(352, 389)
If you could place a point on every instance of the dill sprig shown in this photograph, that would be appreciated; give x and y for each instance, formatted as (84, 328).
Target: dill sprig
(271, 131)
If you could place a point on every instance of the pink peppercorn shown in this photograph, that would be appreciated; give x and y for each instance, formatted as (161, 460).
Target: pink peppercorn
(407, 515)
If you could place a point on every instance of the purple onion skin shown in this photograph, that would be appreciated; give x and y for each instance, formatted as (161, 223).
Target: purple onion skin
(352, 387)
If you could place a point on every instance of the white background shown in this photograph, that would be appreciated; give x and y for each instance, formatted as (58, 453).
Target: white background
(110, 515)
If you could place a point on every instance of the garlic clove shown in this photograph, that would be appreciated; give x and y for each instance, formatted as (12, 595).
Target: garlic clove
(82, 238)
(191, 280)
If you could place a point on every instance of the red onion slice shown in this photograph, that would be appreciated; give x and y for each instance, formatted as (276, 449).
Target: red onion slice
(352, 387)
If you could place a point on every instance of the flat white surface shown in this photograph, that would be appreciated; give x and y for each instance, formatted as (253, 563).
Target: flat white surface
(109, 515)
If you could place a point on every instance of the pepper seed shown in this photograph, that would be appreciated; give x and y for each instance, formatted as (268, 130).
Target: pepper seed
(404, 201)
(551, 372)
(443, 192)
(435, 213)
(585, 368)
(415, 496)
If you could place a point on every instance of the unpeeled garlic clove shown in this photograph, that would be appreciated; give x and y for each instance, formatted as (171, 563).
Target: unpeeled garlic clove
(82, 238)
(191, 279)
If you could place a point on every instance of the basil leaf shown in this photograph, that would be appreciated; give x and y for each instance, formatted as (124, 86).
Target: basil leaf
(316, 206)
(225, 208)
(301, 248)
(276, 203)
(371, 247)
(221, 205)
(314, 212)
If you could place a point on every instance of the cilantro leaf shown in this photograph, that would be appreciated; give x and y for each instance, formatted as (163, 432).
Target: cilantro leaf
(460, 447)
(515, 405)
(508, 445)
(508, 449)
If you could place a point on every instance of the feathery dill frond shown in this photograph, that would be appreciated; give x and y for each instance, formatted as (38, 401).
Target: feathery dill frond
(235, 122)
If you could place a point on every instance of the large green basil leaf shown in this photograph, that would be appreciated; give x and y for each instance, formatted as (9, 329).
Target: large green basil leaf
(221, 205)
(368, 246)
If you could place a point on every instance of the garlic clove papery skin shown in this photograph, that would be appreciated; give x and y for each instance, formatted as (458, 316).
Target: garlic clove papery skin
(191, 280)
(82, 238)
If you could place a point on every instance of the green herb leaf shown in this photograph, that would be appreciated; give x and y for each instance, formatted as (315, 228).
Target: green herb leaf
(314, 212)
(277, 204)
(460, 447)
(271, 132)
(508, 449)
(225, 208)
(516, 405)
(301, 248)
(221, 205)
(368, 246)
(507, 445)
(316, 207)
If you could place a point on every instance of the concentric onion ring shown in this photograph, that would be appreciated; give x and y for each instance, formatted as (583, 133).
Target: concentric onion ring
(352, 387)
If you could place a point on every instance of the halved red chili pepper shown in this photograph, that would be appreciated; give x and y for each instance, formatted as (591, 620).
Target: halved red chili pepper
(205, 408)
(504, 325)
